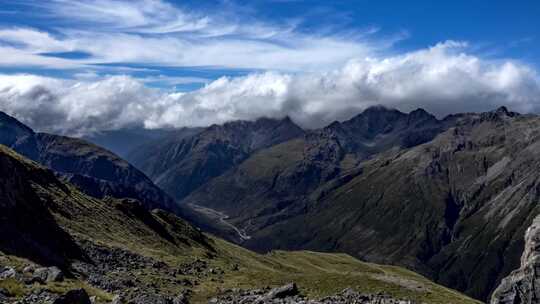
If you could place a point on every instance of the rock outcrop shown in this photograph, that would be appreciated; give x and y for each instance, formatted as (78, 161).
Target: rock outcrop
(523, 285)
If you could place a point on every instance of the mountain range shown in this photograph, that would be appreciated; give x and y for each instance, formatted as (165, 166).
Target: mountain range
(450, 198)
(60, 245)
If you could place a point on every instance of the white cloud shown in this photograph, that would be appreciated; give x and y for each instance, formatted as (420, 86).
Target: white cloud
(158, 33)
(150, 16)
(443, 79)
(38, 41)
(173, 80)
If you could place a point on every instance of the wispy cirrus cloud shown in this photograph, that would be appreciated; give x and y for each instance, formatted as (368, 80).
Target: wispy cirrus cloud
(157, 32)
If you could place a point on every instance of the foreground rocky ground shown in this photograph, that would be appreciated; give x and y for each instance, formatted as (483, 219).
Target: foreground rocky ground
(111, 274)
(121, 275)
(289, 294)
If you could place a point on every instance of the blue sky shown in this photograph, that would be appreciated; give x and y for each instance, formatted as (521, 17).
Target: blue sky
(493, 29)
(75, 67)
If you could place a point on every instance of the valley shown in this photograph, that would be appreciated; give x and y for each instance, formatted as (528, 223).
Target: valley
(219, 218)
(385, 187)
(354, 186)
(269, 152)
(116, 250)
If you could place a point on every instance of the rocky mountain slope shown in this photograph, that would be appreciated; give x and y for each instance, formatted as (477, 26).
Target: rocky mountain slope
(449, 198)
(273, 182)
(67, 247)
(93, 169)
(521, 286)
(181, 164)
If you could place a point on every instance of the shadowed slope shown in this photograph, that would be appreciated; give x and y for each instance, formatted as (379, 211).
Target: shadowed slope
(93, 169)
(180, 165)
(28, 228)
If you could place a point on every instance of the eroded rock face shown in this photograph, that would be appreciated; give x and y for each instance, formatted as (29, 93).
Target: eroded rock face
(523, 285)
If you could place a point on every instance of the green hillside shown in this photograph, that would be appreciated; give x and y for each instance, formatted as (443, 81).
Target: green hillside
(158, 253)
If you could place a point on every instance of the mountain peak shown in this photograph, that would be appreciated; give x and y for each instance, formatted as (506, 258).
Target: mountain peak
(12, 121)
(273, 121)
(377, 114)
(287, 119)
(17, 136)
(502, 110)
(379, 109)
(419, 111)
(501, 113)
(419, 115)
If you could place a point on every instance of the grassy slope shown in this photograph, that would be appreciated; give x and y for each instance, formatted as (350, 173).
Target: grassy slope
(164, 237)
(321, 274)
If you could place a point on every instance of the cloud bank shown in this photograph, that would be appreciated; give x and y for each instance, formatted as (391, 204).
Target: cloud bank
(442, 79)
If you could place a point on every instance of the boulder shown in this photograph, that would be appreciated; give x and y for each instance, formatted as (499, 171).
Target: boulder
(29, 269)
(117, 300)
(55, 274)
(4, 293)
(48, 274)
(181, 299)
(76, 296)
(289, 290)
(7, 272)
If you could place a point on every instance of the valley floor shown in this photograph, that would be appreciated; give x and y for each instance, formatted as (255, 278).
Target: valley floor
(219, 219)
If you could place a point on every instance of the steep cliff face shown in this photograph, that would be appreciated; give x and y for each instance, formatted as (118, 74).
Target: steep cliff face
(523, 285)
